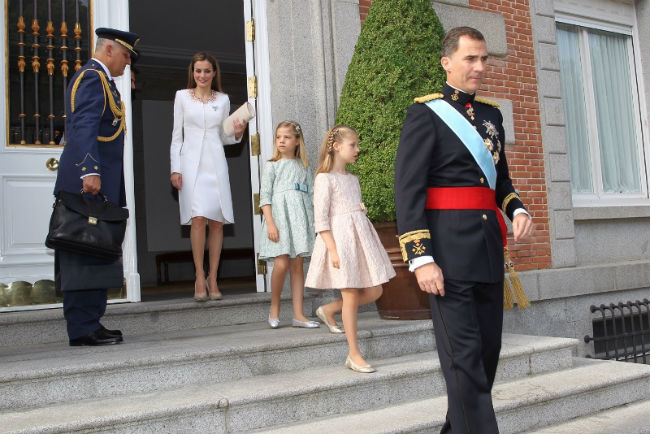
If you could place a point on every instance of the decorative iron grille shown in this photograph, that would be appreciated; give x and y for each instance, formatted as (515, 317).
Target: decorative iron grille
(622, 331)
(48, 40)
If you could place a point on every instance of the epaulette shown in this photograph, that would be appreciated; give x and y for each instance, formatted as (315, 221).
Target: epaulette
(486, 101)
(427, 98)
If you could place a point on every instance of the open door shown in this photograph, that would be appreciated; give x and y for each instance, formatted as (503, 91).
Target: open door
(260, 128)
(35, 75)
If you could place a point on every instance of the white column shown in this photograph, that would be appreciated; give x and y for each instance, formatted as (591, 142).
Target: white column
(115, 14)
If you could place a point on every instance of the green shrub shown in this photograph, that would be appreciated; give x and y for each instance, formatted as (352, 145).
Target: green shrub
(396, 59)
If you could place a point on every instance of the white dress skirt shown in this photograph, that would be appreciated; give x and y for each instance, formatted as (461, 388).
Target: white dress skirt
(207, 186)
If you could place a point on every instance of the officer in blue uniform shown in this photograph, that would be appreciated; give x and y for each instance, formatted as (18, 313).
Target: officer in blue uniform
(92, 162)
(448, 192)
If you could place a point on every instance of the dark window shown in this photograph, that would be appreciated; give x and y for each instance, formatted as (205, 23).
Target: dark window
(48, 40)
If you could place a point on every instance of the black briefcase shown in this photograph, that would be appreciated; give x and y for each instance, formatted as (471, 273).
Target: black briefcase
(87, 225)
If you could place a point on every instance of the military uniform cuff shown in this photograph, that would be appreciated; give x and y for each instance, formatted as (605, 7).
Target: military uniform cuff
(415, 244)
(89, 165)
(511, 203)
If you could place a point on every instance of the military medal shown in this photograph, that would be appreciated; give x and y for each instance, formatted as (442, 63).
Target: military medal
(454, 96)
(489, 145)
(490, 129)
(493, 134)
(470, 110)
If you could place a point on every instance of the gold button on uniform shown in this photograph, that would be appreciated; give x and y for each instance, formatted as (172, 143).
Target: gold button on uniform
(83, 169)
(484, 217)
(482, 180)
(95, 167)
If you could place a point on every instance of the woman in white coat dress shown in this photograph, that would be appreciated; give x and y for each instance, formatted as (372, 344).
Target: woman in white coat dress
(198, 166)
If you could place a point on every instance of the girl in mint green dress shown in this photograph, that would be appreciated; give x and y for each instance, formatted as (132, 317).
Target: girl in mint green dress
(286, 200)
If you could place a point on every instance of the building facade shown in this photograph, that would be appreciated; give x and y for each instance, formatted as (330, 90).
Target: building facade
(568, 74)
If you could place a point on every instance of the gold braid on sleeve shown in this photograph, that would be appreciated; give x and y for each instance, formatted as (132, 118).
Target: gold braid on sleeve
(408, 237)
(506, 201)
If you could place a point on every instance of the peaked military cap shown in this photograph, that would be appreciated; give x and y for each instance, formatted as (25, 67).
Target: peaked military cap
(126, 39)
(135, 55)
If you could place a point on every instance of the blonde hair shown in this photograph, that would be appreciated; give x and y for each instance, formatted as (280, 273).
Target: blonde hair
(301, 151)
(326, 155)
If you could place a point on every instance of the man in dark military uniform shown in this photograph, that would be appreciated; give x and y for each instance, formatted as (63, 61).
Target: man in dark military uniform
(91, 162)
(451, 179)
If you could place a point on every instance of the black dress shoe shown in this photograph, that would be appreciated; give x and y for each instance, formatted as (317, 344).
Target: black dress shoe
(111, 332)
(98, 337)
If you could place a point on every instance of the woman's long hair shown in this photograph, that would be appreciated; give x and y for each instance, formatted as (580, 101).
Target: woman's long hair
(198, 57)
(326, 155)
(301, 151)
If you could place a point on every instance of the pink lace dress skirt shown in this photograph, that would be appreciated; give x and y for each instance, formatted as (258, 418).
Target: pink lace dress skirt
(363, 259)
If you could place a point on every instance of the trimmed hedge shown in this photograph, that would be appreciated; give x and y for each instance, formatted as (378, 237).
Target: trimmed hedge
(396, 59)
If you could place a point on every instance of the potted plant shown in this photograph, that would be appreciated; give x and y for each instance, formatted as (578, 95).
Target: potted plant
(395, 60)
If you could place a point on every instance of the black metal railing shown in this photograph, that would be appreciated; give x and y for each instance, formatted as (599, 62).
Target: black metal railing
(622, 331)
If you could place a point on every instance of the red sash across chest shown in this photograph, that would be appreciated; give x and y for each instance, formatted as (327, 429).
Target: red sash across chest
(466, 198)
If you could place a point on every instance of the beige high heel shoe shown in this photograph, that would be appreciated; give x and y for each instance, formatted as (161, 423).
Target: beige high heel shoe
(202, 297)
(213, 296)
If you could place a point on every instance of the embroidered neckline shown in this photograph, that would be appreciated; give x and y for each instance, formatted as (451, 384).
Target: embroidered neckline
(211, 98)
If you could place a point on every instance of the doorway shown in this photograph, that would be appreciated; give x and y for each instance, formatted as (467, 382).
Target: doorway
(167, 44)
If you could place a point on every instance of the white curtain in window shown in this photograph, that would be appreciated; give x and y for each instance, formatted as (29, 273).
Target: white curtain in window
(574, 108)
(613, 87)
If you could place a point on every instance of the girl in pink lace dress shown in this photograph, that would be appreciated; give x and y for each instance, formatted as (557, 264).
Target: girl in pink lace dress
(347, 252)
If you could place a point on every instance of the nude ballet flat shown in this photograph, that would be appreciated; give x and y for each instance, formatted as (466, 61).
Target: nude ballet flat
(367, 369)
(333, 328)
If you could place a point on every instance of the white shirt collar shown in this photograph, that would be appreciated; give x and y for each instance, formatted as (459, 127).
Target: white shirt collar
(459, 90)
(105, 68)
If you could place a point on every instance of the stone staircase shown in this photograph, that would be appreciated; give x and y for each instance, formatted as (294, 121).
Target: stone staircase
(217, 367)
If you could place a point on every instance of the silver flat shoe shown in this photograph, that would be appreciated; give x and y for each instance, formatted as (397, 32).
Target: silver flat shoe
(367, 369)
(305, 324)
(274, 323)
(332, 327)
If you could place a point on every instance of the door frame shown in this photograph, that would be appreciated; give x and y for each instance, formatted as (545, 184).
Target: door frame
(104, 13)
(258, 65)
(115, 14)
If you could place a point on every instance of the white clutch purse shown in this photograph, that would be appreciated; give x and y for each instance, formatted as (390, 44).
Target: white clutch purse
(244, 113)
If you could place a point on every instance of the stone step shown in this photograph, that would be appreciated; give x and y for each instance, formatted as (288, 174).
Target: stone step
(45, 326)
(520, 405)
(259, 401)
(50, 373)
(628, 419)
